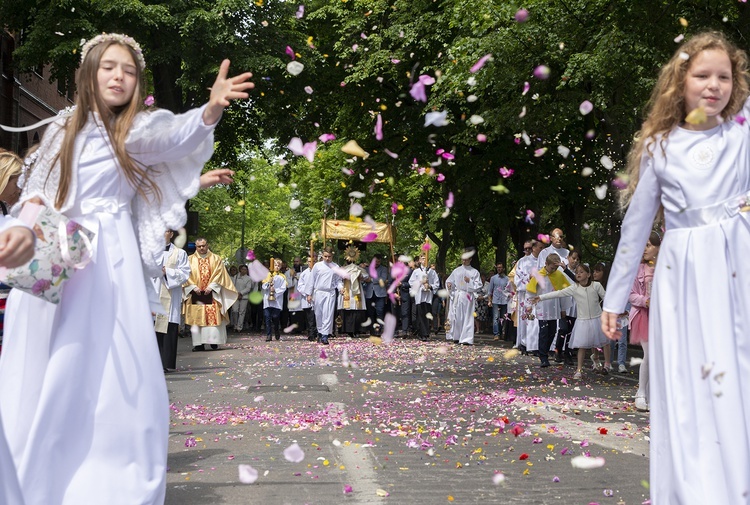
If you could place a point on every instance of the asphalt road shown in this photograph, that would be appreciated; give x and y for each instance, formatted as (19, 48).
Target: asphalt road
(405, 423)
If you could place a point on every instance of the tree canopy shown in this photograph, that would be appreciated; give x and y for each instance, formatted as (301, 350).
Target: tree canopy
(526, 118)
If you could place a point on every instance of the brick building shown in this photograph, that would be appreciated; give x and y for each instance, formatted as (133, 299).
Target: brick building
(26, 98)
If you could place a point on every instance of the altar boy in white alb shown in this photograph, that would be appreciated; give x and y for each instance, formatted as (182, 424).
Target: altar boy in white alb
(463, 284)
(175, 271)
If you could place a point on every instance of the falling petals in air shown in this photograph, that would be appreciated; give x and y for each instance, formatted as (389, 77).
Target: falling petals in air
(679, 38)
(294, 204)
(529, 216)
(585, 107)
(468, 255)
(479, 64)
(563, 151)
(606, 162)
(379, 127)
(449, 201)
(481, 137)
(149, 101)
(300, 12)
(418, 91)
(370, 237)
(295, 67)
(587, 463)
(327, 137)
(356, 209)
(445, 154)
(601, 191)
(250, 255)
(506, 172)
(257, 271)
(290, 52)
(390, 153)
(389, 328)
(587, 171)
(308, 90)
(303, 149)
(440, 177)
(248, 474)
(476, 119)
(526, 88)
(540, 152)
(436, 118)
(500, 188)
(541, 72)
(294, 453)
(697, 116)
(543, 238)
(394, 208)
(740, 119)
(353, 149)
(521, 15)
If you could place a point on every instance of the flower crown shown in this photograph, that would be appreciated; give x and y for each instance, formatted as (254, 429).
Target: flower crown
(114, 37)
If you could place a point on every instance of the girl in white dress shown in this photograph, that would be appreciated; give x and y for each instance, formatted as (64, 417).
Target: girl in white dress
(692, 159)
(87, 417)
(587, 331)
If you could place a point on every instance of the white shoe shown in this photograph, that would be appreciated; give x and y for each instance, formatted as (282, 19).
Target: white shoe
(622, 369)
(577, 375)
(641, 404)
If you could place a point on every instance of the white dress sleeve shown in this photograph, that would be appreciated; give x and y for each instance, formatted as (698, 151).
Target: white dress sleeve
(636, 228)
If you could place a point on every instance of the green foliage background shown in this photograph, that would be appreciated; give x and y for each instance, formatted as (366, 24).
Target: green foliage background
(360, 57)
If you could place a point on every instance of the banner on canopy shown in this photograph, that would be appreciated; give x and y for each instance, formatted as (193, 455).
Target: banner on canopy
(348, 230)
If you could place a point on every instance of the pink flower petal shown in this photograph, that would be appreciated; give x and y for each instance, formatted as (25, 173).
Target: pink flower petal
(370, 237)
(394, 208)
(379, 127)
(290, 52)
(479, 64)
(294, 453)
(541, 72)
(521, 15)
(440, 177)
(389, 328)
(526, 87)
(248, 474)
(481, 137)
(449, 201)
(585, 107)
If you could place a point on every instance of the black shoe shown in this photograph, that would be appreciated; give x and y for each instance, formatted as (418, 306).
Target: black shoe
(523, 350)
(324, 340)
(544, 365)
(455, 341)
(214, 346)
(198, 348)
(269, 338)
(278, 337)
(466, 343)
(424, 339)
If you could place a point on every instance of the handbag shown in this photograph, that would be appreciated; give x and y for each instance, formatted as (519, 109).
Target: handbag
(62, 247)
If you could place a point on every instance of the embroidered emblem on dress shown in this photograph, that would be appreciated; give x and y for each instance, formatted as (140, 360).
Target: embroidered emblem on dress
(703, 156)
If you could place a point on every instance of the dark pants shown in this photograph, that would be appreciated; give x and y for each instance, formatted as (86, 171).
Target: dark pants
(547, 331)
(168, 346)
(285, 311)
(437, 303)
(312, 327)
(273, 318)
(563, 339)
(423, 324)
(404, 313)
(256, 316)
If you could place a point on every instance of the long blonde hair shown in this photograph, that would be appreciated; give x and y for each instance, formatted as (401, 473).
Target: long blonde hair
(117, 123)
(10, 166)
(666, 107)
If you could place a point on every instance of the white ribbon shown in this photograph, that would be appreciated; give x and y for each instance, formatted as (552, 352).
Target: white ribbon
(18, 129)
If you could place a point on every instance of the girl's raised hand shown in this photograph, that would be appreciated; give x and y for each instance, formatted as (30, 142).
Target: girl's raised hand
(225, 89)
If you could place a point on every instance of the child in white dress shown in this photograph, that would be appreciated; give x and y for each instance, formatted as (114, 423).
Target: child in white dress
(587, 332)
(692, 160)
(87, 417)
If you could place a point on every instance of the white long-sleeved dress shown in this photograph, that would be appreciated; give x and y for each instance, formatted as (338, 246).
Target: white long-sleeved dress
(699, 340)
(87, 418)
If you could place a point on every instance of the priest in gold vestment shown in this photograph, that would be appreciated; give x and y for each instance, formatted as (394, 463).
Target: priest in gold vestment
(207, 296)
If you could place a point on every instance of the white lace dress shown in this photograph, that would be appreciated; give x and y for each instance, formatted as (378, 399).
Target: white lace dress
(698, 329)
(87, 416)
